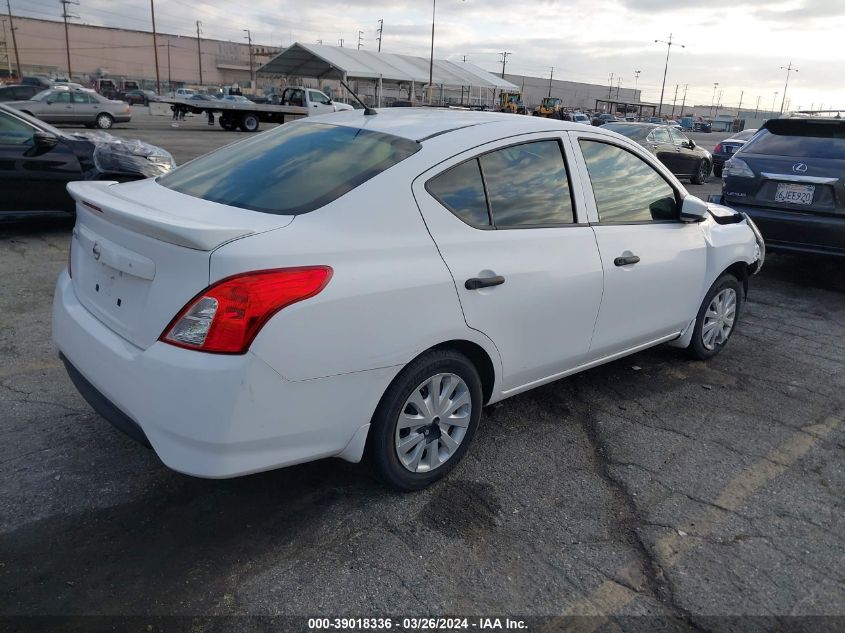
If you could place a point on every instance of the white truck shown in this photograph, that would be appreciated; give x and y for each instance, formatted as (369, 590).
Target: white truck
(238, 112)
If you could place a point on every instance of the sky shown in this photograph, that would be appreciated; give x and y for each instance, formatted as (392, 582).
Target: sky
(740, 45)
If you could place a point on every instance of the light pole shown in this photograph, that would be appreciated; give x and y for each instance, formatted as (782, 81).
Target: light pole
(788, 69)
(636, 79)
(773, 102)
(669, 45)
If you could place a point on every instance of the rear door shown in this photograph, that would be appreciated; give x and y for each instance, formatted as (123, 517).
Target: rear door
(85, 107)
(654, 264)
(508, 221)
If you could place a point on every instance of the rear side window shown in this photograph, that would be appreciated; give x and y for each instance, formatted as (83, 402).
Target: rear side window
(461, 190)
(625, 187)
(294, 169)
(526, 185)
(800, 139)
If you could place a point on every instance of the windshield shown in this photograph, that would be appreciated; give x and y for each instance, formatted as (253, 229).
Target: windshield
(800, 139)
(293, 169)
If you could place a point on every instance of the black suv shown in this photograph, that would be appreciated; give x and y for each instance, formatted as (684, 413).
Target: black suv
(789, 179)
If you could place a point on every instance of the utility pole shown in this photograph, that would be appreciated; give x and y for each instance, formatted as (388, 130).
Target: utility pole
(341, 42)
(610, 86)
(504, 55)
(773, 103)
(360, 38)
(251, 68)
(669, 45)
(551, 74)
(719, 102)
(713, 98)
(6, 53)
(757, 107)
(675, 100)
(199, 48)
(788, 69)
(14, 41)
(739, 109)
(618, 86)
(155, 45)
(684, 101)
(380, 29)
(464, 58)
(65, 16)
(169, 75)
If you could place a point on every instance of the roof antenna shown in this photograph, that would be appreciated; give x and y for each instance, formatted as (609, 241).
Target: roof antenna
(368, 111)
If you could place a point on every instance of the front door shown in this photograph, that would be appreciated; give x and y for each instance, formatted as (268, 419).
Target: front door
(320, 103)
(662, 146)
(688, 159)
(58, 108)
(654, 264)
(33, 178)
(524, 260)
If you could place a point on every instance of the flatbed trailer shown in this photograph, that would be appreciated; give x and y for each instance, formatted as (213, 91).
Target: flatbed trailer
(232, 115)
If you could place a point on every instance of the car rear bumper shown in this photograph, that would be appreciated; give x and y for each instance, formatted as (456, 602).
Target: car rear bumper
(211, 415)
(798, 232)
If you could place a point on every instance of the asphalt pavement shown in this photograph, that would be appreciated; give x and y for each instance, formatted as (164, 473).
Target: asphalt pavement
(654, 490)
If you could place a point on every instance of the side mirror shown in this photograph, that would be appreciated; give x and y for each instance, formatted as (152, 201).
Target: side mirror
(45, 141)
(691, 144)
(693, 209)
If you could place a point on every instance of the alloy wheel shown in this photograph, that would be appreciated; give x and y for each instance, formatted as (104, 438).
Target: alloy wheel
(433, 423)
(719, 319)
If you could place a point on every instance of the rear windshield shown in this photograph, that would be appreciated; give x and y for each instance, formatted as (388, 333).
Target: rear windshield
(293, 169)
(798, 139)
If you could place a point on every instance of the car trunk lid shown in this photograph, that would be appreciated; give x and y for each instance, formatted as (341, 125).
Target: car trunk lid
(136, 264)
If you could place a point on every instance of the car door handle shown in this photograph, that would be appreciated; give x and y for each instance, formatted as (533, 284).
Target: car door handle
(626, 261)
(483, 282)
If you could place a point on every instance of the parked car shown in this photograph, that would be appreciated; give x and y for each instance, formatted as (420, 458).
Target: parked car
(727, 148)
(43, 82)
(671, 146)
(270, 303)
(789, 177)
(69, 106)
(702, 126)
(140, 97)
(184, 93)
(18, 92)
(37, 161)
(601, 119)
(580, 117)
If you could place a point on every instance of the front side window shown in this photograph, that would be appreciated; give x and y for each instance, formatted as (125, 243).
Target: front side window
(293, 169)
(625, 187)
(679, 139)
(318, 97)
(13, 131)
(528, 185)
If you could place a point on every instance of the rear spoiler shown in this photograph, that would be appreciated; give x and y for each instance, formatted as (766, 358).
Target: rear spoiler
(95, 197)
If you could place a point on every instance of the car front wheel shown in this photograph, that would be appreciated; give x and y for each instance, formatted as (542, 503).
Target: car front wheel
(425, 420)
(717, 317)
(104, 121)
(703, 173)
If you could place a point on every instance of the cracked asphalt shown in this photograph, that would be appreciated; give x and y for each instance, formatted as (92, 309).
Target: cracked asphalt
(653, 486)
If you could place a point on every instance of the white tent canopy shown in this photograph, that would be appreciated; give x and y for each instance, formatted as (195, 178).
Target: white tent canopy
(335, 62)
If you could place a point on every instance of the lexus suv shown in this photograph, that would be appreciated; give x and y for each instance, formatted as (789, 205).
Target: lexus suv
(789, 179)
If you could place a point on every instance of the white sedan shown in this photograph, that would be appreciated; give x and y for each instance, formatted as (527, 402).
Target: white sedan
(356, 285)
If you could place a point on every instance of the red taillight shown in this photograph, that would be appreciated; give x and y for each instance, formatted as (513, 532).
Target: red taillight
(226, 317)
(718, 149)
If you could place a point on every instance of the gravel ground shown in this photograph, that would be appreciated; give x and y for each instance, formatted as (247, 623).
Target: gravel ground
(653, 486)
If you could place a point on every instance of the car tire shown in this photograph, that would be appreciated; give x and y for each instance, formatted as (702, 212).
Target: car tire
(424, 457)
(702, 175)
(226, 123)
(249, 122)
(717, 171)
(104, 121)
(717, 317)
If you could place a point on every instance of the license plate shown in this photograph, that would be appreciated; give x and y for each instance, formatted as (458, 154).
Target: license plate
(794, 194)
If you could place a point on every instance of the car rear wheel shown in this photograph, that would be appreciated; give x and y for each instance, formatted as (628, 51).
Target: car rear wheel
(717, 317)
(703, 174)
(104, 121)
(425, 420)
(249, 123)
(226, 123)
